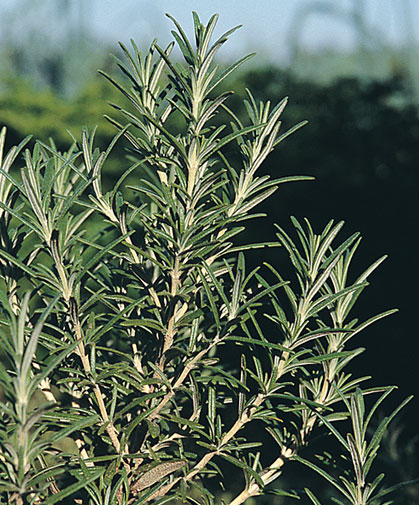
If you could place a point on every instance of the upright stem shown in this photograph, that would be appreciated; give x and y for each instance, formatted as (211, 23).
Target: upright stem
(110, 429)
(202, 463)
(171, 331)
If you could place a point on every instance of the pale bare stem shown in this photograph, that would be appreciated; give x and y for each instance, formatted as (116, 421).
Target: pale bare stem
(136, 358)
(82, 451)
(135, 354)
(273, 471)
(280, 370)
(179, 381)
(166, 442)
(10, 282)
(66, 290)
(178, 311)
(123, 227)
(328, 379)
(211, 260)
(192, 167)
(252, 490)
(136, 260)
(163, 490)
(154, 449)
(268, 475)
(14, 300)
(52, 483)
(79, 442)
(311, 420)
(244, 418)
(198, 467)
(110, 429)
(45, 385)
(202, 463)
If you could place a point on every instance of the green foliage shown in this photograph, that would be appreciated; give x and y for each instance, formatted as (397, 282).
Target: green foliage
(135, 313)
(44, 114)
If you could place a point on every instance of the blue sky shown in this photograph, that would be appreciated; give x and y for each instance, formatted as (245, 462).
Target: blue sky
(270, 27)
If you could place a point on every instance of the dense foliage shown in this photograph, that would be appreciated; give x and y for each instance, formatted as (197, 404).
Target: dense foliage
(136, 315)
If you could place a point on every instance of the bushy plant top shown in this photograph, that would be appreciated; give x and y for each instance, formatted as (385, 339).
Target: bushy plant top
(132, 312)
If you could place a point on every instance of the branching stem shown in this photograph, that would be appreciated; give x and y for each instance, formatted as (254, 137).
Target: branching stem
(110, 429)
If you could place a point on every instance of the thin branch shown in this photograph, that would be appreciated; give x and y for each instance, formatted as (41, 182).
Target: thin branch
(268, 475)
(110, 428)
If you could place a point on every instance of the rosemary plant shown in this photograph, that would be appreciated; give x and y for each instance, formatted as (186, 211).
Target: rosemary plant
(138, 348)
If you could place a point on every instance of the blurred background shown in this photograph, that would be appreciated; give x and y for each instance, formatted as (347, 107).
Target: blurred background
(351, 67)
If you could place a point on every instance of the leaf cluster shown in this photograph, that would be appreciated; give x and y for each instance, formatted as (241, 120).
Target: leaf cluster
(122, 308)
